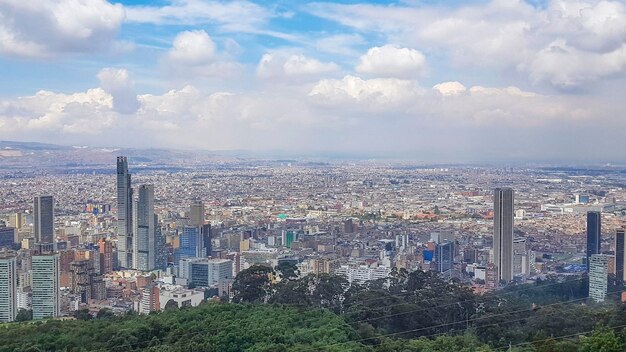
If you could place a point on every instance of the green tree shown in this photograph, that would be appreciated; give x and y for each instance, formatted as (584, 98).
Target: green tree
(105, 313)
(24, 315)
(82, 314)
(171, 305)
(287, 271)
(253, 284)
(602, 340)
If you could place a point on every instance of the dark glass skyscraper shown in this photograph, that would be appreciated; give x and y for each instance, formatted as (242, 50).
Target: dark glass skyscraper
(124, 214)
(43, 219)
(503, 233)
(144, 245)
(620, 254)
(594, 230)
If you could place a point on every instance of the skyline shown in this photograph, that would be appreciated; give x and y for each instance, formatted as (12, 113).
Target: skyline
(477, 81)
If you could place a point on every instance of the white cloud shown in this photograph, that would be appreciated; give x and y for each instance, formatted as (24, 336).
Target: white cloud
(51, 113)
(348, 114)
(194, 54)
(231, 16)
(117, 83)
(281, 65)
(566, 67)
(48, 28)
(192, 48)
(566, 44)
(390, 60)
(376, 93)
(449, 88)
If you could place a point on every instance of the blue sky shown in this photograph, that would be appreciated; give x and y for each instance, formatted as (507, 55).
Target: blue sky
(427, 78)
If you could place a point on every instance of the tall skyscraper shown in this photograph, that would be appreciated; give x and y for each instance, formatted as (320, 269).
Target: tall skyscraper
(196, 214)
(594, 230)
(43, 219)
(106, 256)
(503, 233)
(444, 257)
(620, 255)
(521, 263)
(207, 234)
(598, 276)
(144, 244)
(162, 253)
(124, 214)
(45, 286)
(8, 288)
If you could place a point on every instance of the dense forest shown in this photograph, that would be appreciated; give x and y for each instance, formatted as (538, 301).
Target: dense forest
(415, 311)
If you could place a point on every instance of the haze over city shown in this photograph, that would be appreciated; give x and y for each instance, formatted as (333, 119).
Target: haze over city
(455, 81)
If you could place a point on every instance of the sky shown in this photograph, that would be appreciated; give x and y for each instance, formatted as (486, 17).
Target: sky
(436, 81)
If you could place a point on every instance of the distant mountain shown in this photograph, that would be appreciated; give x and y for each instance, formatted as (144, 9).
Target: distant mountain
(32, 155)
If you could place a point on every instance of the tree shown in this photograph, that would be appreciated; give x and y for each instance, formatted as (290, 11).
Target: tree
(105, 313)
(171, 305)
(602, 340)
(253, 284)
(82, 314)
(287, 271)
(24, 315)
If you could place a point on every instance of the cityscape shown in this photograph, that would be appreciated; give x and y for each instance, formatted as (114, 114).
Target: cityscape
(139, 242)
(319, 175)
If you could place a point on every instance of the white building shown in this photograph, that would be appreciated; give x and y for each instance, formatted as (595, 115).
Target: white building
(24, 299)
(598, 276)
(8, 287)
(183, 297)
(363, 273)
(45, 287)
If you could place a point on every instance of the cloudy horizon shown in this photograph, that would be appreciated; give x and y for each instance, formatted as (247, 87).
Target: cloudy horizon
(464, 81)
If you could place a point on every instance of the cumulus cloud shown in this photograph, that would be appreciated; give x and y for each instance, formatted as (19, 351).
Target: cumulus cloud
(378, 93)
(47, 113)
(48, 28)
(192, 48)
(566, 44)
(390, 60)
(449, 88)
(284, 65)
(117, 83)
(194, 53)
(333, 114)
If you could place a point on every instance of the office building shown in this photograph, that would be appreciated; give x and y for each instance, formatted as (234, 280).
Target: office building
(210, 272)
(444, 257)
(124, 214)
(594, 231)
(521, 263)
(598, 276)
(17, 220)
(45, 286)
(144, 219)
(620, 255)
(191, 244)
(196, 214)
(8, 237)
(503, 233)
(149, 299)
(106, 256)
(43, 219)
(207, 235)
(160, 242)
(8, 288)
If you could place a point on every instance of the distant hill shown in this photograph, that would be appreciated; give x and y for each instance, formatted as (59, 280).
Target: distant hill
(33, 155)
